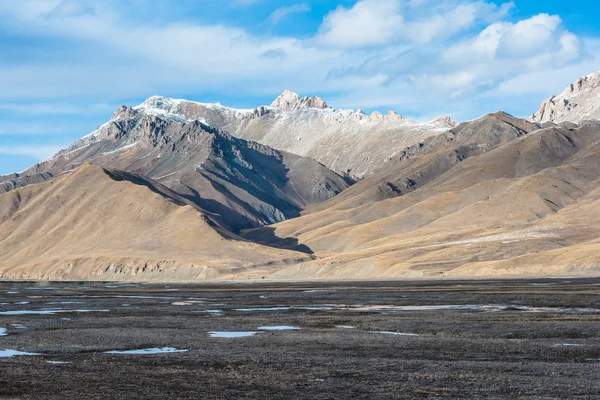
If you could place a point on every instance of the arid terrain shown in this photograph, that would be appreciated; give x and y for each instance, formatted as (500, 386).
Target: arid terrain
(175, 190)
(488, 339)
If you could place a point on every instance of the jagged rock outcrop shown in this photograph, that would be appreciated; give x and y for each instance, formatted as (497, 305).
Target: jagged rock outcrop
(289, 100)
(580, 101)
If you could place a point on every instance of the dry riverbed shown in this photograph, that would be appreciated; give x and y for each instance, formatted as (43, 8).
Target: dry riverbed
(452, 339)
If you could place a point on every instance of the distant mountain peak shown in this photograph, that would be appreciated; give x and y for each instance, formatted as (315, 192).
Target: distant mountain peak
(578, 102)
(444, 122)
(289, 100)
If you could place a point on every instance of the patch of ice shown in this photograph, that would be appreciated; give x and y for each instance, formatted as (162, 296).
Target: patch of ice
(58, 362)
(570, 344)
(16, 353)
(158, 350)
(282, 308)
(471, 307)
(344, 326)
(394, 333)
(18, 326)
(229, 335)
(188, 303)
(262, 309)
(318, 290)
(278, 328)
(145, 297)
(12, 292)
(211, 311)
(3, 332)
(47, 312)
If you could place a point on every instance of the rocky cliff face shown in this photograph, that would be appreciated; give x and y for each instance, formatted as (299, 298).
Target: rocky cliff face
(346, 141)
(580, 101)
(289, 100)
(242, 183)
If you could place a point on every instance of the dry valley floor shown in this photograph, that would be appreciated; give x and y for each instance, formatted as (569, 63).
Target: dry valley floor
(450, 339)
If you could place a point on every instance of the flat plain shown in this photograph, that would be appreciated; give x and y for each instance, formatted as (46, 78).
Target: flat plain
(493, 339)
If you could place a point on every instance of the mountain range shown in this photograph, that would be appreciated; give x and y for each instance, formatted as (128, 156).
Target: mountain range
(179, 190)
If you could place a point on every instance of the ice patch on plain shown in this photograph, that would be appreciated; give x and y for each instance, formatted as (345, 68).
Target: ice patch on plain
(16, 353)
(154, 350)
(394, 333)
(278, 328)
(47, 312)
(230, 335)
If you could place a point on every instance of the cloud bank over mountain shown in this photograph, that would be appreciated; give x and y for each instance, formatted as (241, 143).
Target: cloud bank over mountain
(422, 58)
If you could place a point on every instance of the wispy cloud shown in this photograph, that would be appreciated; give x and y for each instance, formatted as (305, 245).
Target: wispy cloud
(283, 12)
(31, 128)
(40, 152)
(56, 108)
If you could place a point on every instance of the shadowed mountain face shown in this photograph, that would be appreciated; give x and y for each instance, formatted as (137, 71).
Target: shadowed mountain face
(101, 224)
(496, 196)
(346, 141)
(242, 184)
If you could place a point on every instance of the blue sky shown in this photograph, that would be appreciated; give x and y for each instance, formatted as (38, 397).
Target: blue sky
(66, 65)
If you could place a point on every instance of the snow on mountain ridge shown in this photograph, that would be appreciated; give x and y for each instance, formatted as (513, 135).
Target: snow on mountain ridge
(347, 141)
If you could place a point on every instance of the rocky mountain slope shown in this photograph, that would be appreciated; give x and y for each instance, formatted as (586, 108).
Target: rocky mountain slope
(345, 141)
(104, 224)
(578, 102)
(243, 184)
(497, 196)
(167, 190)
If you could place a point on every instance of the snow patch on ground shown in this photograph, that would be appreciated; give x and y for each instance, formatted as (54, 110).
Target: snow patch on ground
(121, 149)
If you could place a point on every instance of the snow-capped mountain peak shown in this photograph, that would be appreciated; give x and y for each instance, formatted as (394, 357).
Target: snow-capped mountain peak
(289, 100)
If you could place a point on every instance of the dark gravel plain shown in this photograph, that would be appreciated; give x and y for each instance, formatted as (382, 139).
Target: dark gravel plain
(537, 339)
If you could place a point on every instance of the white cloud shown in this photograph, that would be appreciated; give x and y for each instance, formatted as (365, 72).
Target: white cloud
(417, 56)
(367, 23)
(380, 22)
(283, 12)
